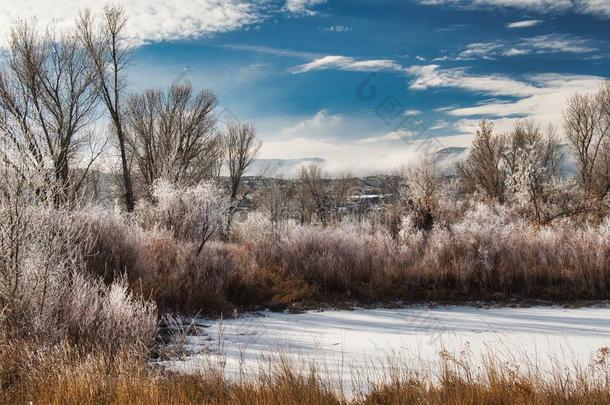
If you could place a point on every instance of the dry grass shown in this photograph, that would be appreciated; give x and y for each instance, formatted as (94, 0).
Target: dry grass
(65, 375)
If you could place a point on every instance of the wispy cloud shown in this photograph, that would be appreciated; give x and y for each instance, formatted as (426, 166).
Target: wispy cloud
(540, 44)
(558, 43)
(433, 76)
(597, 8)
(524, 24)
(346, 63)
(148, 21)
(273, 51)
(302, 6)
(338, 28)
(541, 97)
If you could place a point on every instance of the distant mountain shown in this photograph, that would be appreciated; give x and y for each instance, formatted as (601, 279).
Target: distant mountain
(284, 167)
(451, 151)
(447, 156)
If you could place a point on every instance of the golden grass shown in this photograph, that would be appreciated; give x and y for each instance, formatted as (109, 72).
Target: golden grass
(64, 375)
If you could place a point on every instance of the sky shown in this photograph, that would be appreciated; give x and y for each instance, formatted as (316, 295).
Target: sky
(364, 85)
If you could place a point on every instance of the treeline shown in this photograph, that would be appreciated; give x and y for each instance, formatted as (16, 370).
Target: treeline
(58, 87)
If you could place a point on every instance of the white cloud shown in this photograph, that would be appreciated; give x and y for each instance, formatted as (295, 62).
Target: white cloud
(322, 124)
(341, 155)
(598, 8)
(540, 44)
(543, 97)
(291, 53)
(515, 52)
(431, 76)
(390, 136)
(484, 50)
(558, 43)
(524, 24)
(352, 143)
(338, 28)
(346, 63)
(526, 4)
(148, 20)
(302, 6)
(359, 158)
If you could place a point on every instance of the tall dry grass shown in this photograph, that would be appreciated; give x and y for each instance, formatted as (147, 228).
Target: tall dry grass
(65, 375)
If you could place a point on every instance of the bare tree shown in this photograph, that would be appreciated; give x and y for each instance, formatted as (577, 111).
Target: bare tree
(423, 180)
(322, 194)
(173, 136)
(314, 190)
(47, 103)
(587, 128)
(483, 170)
(339, 189)
(241, 151)
(275, 201)
(108, 52)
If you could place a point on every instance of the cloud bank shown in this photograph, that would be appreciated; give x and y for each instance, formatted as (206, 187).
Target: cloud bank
(149, 21)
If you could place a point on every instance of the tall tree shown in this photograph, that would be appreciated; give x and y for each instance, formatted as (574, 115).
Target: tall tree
(241, 151)
(241, 148)
(47, 102)
(483, 170)
(314, 190)
(587, 128)
(108, 51)
(173, 136)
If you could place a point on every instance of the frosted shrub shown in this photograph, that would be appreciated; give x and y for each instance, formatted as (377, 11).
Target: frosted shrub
(191, 213)
(254, 227)
(45, 290)
(109, 316)
(39, 252)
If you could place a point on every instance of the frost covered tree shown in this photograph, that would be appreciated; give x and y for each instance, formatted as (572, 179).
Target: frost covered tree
(108, 52)
(423, 181)
(241, 149)
(275, 201)
(483, 171)
(173, 136)
(194, 213)
(532, 160)
(47, 107)
(587, 128)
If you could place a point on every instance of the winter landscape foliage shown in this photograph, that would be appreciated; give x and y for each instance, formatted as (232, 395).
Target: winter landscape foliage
(96, 250)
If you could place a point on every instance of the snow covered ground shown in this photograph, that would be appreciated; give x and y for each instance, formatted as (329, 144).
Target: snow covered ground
(344, 343)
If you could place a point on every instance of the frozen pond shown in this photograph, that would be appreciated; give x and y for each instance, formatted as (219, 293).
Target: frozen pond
(343, 343)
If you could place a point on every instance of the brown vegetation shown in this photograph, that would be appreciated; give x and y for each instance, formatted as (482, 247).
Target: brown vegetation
(65, 375)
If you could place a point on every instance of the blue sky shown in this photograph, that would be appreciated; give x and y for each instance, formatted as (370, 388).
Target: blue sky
(304, 71)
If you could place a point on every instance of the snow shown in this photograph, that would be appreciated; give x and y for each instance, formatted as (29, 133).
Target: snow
(343, 343)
